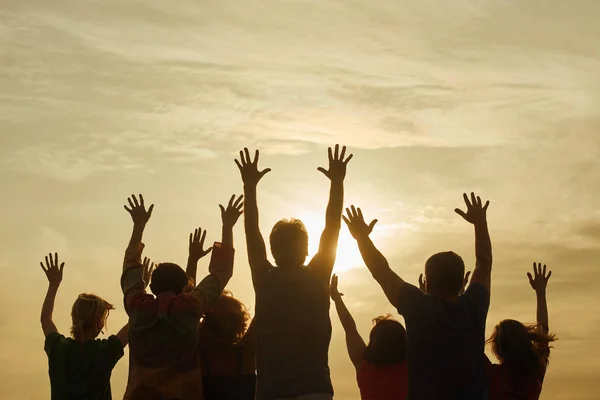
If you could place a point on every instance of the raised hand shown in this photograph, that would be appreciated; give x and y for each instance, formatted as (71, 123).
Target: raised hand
(333, 288)
(197, 250)
(249, 168)
(356, 223)
(148, 269)
(422, 283)
(137, 210)
(539, 280)
(337, 163)
(232, 213)
(476, 212)
(53, 271)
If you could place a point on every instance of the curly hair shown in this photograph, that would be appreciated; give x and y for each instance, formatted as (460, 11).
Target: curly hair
(87, 314)
(524, 347)
(387, 342)
(227, 319)
(289, 242)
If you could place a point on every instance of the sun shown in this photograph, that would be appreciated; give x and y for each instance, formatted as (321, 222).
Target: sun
(348, 255)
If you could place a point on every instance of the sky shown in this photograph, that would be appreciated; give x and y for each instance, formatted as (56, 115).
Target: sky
(102, 99)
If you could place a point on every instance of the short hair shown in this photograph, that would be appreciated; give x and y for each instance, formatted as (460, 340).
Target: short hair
(87, 312)
(444, 273)
(289, 242)
(168, 277)
(226, 321)
(525, 348)
(387, 342)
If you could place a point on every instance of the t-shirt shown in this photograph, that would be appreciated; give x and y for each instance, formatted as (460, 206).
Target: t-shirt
(293, 332)
(81, 370)
(445, 343)
(163, 332)
(382, 382)
(505, 385)
(228, 371)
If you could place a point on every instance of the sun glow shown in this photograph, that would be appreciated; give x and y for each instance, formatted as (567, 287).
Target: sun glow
(348, 255)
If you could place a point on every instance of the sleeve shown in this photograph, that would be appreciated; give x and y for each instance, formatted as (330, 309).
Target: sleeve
(478, 298)
(132, 284)
(51, 342)
(210, 288)
(410, 301)
(112, 349)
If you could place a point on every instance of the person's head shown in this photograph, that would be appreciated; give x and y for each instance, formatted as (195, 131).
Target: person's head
(524, 347)
(444, 274)
(88, 315)
(289, 243)
(387, 342)
(226, 320)
(168, 277)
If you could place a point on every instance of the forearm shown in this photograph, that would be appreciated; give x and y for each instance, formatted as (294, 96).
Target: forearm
(344, 315)
(191, 268)
(227, 236)
(483, 246)
(48, 305)
(542, 310)
(333, 215)
(133, 252)
(254, 240)
(375, 261)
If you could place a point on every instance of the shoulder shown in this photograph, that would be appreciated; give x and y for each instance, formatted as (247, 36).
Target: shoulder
(55, 339)
(477, 293)
(410, 298)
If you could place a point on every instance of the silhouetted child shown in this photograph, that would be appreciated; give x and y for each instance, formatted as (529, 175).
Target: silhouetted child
(228, 351)
(523, 350)
(292, 300)
(381, 370)
(164, 360)
(445, 332)
(79, 367)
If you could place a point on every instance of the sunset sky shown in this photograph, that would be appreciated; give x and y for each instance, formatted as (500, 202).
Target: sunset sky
(101, 99)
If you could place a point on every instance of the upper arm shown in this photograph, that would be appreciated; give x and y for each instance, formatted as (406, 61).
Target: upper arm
(479, 298)
(203, 295)
(48, 326)
(324, 260)
(356, 346)
(123, 335)
(483, 273)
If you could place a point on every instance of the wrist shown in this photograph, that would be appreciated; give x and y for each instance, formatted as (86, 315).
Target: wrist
(53, 285)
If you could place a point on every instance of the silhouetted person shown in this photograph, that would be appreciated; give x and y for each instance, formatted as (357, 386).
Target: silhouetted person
(380, 366)
(228, 351)
(227, 344)
(523, 350)
(292, 300)
(79, 367)
(164, 360)
(445, 332)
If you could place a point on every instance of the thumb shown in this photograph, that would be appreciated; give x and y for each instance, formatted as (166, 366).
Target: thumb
(150, 209)
(372, 224)
(323, 170)
(460, 212)
(264, 172)
(222, 209)
(530, 278)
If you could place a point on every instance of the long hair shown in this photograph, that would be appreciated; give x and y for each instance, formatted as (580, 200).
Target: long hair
(387, 342)
(525, 348)
(89, 314)
(226, 321)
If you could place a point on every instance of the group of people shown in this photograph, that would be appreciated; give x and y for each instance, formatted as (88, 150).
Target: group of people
(190, 341)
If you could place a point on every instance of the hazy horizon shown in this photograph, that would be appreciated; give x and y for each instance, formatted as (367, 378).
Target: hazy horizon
(102, 99)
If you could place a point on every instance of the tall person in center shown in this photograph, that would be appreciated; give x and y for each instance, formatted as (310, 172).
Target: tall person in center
(292, 300)
(445, 330)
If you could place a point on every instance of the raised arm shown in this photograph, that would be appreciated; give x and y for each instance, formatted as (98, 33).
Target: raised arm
(132, 278)
(389, 281)
(196, 252)
(229, 217)
(477, 215)
(54, 273)
(325, 257)
(123, 335)
(354, 342)
(538, 282)
(257, 253)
